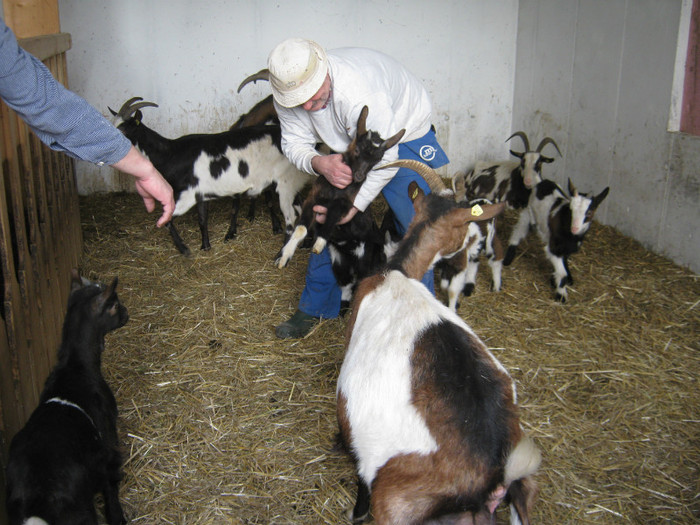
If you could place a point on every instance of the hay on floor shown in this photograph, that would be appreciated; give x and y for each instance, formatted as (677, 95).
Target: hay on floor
(223, 423)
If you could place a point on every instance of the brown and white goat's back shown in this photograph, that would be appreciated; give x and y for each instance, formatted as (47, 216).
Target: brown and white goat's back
(428, 413)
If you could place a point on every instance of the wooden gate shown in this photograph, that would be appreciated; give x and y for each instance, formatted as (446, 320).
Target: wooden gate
(40, 241)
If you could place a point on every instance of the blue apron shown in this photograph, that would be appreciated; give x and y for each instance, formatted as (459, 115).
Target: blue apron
(321, 294)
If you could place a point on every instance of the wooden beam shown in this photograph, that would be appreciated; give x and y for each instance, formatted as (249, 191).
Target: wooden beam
(29, 18)
(47, 46)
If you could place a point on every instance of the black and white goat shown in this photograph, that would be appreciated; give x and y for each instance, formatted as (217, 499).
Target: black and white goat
(203, 167)
(458, 273)
(562, 222)
(68, 450)
(262, 113)
(505, 181)
(363, 153)
(427, 412)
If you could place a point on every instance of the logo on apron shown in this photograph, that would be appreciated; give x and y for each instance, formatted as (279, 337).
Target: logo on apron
(427, 152)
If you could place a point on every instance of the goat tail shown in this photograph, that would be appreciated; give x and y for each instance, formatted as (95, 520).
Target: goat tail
(523, 461)
(429, 174)
(35, 521)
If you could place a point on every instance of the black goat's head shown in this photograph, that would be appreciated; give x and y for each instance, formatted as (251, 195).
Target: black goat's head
(94, 305)
(531, 161)
(367, 148)
(130, 112)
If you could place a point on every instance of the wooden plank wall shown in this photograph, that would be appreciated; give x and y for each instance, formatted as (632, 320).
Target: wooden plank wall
(40, 241)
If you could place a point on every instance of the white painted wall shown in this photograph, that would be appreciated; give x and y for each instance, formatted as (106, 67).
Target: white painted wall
(189, 57)
(598, 78)
(595, 75)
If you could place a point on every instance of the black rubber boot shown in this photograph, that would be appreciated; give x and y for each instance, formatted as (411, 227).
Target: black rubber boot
(297, 326)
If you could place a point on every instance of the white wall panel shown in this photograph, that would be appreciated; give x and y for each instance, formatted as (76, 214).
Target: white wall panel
(189, 57)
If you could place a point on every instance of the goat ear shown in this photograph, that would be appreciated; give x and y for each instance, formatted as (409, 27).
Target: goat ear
(114, 113)
(459, 184)
(391, 142)
(105, 296)
(546, 159)
(600, 197)
(517, 154)
(414, 191)
(572, 189)
(484, 212)
(362, 122)
(76, 281)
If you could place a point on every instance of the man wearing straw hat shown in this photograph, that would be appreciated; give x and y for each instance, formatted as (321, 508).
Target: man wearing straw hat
(318, 96)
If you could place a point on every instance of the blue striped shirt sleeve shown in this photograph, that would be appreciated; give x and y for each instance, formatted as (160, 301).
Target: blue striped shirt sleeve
(61, 119)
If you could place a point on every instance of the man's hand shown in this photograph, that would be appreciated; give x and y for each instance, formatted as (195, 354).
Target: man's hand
(150, 184)
(333, 168)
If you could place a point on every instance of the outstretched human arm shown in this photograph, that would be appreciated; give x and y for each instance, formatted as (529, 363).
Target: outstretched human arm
(66, 122)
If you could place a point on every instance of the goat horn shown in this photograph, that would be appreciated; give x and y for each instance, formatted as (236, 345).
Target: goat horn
(263, 74)
(126, 105)
(131, 110)
(522, 135)
(548, 140)
(429, 174)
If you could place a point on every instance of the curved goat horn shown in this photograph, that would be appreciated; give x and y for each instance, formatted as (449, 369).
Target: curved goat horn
(545, 141)
(429, 174)
(126, 105)
(125, 113)
(263, 74)
(522, 135)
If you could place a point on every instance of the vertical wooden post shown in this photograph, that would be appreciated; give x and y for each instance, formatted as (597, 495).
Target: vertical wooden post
(40, 235)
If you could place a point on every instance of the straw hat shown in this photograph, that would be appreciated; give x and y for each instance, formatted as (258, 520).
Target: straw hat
(297, 68)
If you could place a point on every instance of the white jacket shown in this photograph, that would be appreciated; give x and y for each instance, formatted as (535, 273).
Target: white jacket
(396, 99)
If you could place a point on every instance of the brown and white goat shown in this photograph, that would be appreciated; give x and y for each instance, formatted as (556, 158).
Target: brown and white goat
(458, 272)
(68, 450)
(562, 222)
(427, 412)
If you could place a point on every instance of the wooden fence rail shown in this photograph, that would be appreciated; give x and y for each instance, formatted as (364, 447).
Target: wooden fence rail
(40, 241)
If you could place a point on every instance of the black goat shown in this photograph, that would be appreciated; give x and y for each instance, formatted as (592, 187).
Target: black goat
(203, 167)
(365, 150)
(68, 450)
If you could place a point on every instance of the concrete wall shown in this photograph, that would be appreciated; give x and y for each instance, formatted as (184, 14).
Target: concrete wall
(189, 57)
(595, 75)
(598, 78)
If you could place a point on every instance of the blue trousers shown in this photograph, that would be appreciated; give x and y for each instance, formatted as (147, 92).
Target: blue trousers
(321, 294)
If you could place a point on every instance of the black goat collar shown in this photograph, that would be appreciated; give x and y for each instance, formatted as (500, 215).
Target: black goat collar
(67, 403)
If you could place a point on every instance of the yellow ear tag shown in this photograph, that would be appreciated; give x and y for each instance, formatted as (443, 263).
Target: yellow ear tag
(477, 211)
(415, 194)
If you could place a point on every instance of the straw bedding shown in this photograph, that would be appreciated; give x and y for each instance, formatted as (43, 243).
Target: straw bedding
(223, 423)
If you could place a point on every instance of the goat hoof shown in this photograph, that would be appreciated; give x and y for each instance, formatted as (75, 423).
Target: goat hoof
(561, 298)
(510, 255)
(229, 236)
(468, 289)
